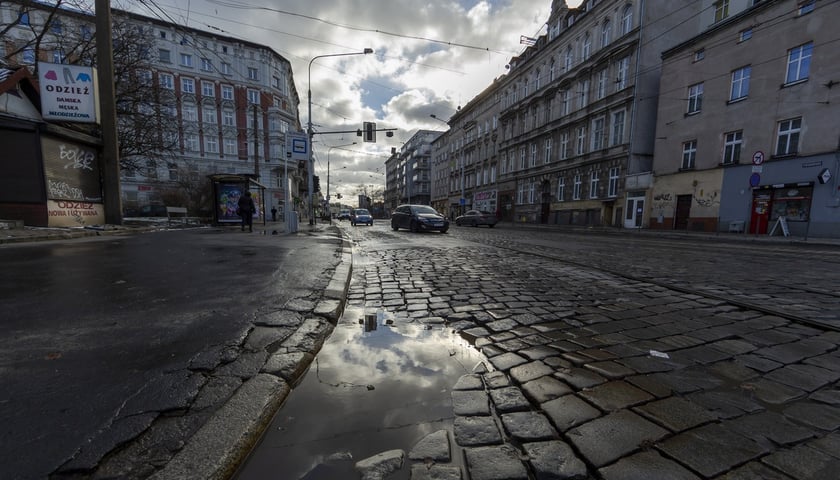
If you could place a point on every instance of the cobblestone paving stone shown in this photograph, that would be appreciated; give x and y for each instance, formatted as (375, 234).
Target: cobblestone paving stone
(596, 375)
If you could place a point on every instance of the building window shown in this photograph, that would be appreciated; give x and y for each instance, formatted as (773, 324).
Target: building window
(561, 189)
(173, 172)
(745, 35)
(606, 33)
(695, 98)
(576, 187)
(564, 102)
(23, 18)
(623, 72)
(788, 140)
(253, 97)
(230, 146)
(227, 92)
(186, 60)
(564, 145)
(164, 56)
(732, 147)
(211, 144)
(208, 116)
(593, 184)
(799, 63)
(598, 133)
(721, 10)
(583, 99)
(740, 83)
(228, 119)
(187, 85)
(613, 186)
(689, 155)
(523, 158)
(587, 47)
(547, 158)
(699, 54)
(166, 81)
(226, 69)
(206, 65)
(569, 60)
(601, 88)
(617, 128)
(207, 89)
(253, 73)
(581, 140)
(85, 32)
(627, 20)
(806, 6)
(533, 155)
(189, 113)
(191, 142)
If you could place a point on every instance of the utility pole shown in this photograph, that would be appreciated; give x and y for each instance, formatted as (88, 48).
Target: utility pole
(108, 114)
(256, 146)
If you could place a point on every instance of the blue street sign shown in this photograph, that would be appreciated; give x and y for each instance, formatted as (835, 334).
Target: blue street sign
(755, 180)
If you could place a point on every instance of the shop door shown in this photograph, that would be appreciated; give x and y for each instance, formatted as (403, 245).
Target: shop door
(635, 212)
(760, 216)
(683, 212)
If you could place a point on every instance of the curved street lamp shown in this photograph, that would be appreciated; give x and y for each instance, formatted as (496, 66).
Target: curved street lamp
(309, 131)
(329, 151)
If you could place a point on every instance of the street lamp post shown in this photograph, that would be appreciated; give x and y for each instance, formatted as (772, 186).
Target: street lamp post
(329, 151)
(309, 131)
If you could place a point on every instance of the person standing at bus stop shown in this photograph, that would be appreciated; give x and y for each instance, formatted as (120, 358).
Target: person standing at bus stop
(246, 211)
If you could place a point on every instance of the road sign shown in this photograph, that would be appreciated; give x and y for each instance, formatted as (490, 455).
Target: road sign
(297, 144)
(824, 176)
(755, 180)
(758, 157)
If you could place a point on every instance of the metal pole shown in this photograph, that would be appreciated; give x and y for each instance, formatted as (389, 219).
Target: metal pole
(309, 131)
(108, 114)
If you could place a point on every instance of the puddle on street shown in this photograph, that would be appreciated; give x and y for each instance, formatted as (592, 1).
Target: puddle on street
(374, 386)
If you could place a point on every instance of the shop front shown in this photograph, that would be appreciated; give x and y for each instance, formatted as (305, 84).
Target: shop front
(791, 201)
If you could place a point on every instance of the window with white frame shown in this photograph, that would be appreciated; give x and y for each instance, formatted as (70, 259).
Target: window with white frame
(721, 10)
(732, 147)
(533, 155)
(799, 63)
(581, 140)
(622, 73)
(598, 133)
(226, 69)
(569, 59)
(586, 49)
(601, 84)
(227, 92)
(523, 158)
(253, 73)
(164, 55)
(689, 154)
(191, 142)
(787, 142)
(561, 189)
(166, 81)
(547, 157)
(612, 188)
(593, 184)
(564, 145)
(186, 60)
(208, 89)
(28, 55)
(208, 115)
(695, 98)
(187, 85)
(189, 112)
(745, 34)
(617, 128)
(525, 192)
(211, 144)
(253, 96)
(583, 97)
(206, 64)
(564, 102)
(740, 83)
(552, 70)
(576, 187)
(606, 33)
(230, 146)
(627, 20)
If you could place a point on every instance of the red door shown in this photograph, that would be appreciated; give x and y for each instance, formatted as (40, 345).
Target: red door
(760, 213)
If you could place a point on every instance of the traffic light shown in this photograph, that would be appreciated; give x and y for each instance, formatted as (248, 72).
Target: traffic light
(316, 183)
(369, 130)
(338, 196)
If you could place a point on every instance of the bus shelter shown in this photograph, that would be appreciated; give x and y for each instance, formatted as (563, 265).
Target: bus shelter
(227, 188)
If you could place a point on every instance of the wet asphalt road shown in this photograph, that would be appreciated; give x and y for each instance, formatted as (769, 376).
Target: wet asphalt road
(100, 337)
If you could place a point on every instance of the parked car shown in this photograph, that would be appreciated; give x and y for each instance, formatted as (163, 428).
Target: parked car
(361, 215)
(476, 218)
(343, 214)
(418, 218)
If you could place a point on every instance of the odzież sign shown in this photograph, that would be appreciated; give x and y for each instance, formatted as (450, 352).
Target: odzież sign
(68, 92)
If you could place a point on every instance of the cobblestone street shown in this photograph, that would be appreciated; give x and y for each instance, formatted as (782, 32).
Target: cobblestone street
(621, 357)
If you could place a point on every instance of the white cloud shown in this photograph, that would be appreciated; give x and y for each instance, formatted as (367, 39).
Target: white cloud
(430, 57)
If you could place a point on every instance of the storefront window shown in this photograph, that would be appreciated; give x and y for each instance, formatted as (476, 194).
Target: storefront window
(793, 203)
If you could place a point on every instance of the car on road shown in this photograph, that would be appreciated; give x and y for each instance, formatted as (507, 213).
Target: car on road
(418, 218)
(476, 218)
(361, 215)
(343, 214)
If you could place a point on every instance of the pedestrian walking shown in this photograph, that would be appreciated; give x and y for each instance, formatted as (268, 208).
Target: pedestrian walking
(246, 211)
(273, 214)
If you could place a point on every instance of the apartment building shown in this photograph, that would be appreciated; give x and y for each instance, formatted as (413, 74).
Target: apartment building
(233, 101)
(747, 129)
(408, 171)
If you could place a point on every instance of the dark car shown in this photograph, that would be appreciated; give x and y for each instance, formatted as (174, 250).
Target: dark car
(418, 218)
(476, 218)
(361, 215)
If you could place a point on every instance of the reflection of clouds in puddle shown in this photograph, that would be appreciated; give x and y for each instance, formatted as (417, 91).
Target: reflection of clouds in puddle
(407, 353)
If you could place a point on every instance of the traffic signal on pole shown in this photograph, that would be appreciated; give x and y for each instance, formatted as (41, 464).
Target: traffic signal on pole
(316, 184)
(369, 132)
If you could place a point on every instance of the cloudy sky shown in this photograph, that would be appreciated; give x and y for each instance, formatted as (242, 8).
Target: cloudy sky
(430, 56)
